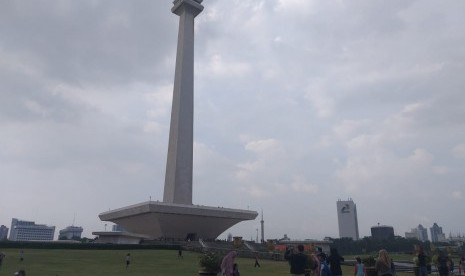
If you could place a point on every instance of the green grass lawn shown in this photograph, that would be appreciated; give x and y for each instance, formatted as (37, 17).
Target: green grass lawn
(38, 262)
(55, 262)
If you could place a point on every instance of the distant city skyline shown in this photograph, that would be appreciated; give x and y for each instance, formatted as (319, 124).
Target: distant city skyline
(71, 231)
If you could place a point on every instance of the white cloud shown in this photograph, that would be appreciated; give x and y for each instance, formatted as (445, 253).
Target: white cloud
(153, 127)
(265, 151)
(301, 185)
(441, 170)
(160, 99)
(36, 108)
(348, 128)
(459, 151)
(218, 67)
(262, 146)
(421, 157)
(321, 100)
(457, 195)
(296, 6)
(256, 191)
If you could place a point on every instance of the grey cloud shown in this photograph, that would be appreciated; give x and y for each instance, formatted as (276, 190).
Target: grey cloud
(92, 40)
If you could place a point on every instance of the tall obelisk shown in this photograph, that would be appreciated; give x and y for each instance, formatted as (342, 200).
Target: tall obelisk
(176, 217)
(178, 177)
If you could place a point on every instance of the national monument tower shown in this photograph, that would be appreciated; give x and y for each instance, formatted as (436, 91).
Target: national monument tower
(176, 217)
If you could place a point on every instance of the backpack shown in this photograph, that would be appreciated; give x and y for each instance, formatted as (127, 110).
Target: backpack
(325, 269)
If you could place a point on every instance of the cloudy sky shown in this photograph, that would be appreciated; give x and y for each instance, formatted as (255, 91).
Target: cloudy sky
(298, 103)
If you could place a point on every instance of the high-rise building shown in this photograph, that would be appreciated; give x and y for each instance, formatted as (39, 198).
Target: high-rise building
(436, 233)
(70, 233)
(382, 232)
(22, 230)
(3, 232)
(420, 233)
(347, 219)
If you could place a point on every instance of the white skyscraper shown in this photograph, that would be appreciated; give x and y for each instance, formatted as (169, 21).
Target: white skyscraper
(347, 219)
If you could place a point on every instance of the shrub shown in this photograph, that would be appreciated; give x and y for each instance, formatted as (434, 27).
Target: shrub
(369, 261)
(210, 261)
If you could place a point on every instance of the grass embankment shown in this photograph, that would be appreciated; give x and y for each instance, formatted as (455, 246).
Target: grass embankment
(59, 262)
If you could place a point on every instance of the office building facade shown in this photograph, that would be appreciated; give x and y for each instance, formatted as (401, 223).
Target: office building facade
(70, 233)
(117, 228)
(347, 219)
(382, 232)
(3, 232)
(420, 233)
(22, 230)
(436, 233)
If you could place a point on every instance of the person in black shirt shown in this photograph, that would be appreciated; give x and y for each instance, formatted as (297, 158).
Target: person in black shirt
(334, 260)
(422, 262)
(298, 261)
(2, 256)
(443, 264)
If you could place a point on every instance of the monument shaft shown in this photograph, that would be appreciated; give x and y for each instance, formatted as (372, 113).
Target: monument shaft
(176, 217)
(178, 177)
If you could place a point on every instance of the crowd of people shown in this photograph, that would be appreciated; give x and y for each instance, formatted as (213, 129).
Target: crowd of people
(319, 264)
(444, 264)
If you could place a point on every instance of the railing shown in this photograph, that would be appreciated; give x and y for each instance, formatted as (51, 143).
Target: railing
(202, 243)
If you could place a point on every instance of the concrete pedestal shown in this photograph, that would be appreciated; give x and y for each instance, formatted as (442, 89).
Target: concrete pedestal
(176, 221)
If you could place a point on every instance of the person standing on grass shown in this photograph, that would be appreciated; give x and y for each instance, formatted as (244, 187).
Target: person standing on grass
(324, 269)
(299, 262)
(422, 261)
(256, 261)
(236, 270)
(315, 265)
(128, 260)
(21, 255)
(443, 264)
(383, 264)
(2, 256)
(227, 264)
(462, 265)
(334, 260)
(359, 269)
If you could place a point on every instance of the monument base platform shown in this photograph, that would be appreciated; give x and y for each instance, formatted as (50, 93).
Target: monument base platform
(176, 221)
(118, 237)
